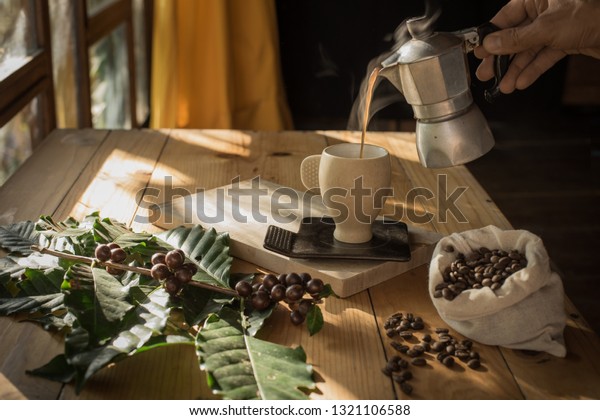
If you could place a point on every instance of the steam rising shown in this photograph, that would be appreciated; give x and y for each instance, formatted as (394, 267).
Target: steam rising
(417, 27)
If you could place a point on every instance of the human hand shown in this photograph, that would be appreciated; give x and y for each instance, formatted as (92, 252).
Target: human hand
(539, 33)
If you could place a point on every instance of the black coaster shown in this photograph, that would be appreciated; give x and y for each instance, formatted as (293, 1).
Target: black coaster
(315, 240)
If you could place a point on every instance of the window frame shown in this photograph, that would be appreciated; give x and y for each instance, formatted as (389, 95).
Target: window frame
(33, 79)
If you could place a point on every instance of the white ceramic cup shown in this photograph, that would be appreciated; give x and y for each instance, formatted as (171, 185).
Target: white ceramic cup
(354, 189)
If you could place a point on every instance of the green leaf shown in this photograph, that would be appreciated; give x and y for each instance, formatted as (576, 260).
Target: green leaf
(38, 292)
(18, 237)
(57, 369)
(314, 319)
(209, 249)
(243, 367)
(97, 299)
(31, 304)
(142, 331)
(107, 230)
(69, 235)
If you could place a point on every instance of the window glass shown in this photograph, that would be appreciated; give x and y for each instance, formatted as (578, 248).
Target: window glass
(17, 137)
(141, 62)
(17, 35)
(94, 6)
(109, 80)
(64, 62)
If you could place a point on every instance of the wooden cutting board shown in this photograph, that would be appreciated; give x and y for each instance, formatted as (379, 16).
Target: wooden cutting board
(246, 209)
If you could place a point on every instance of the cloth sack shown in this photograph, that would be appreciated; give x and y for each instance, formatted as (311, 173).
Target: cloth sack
(527, 312)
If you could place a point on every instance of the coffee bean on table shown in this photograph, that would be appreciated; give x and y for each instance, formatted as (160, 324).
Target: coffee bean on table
(474, 363)
(420, 361)
(406, 388)
(448, 361)
(482, 268)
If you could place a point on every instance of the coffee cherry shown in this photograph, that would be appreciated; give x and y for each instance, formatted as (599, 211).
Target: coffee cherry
(260, 300)
(281, 278)
(296, 317)
(102, 252)
(269, 280)
(294, 292)
(292, 278)
(192, 267)
(278, 293)
(158, 258)
(314, 286)
(183, 275)
(118, 255)
(114, 271)
(171, 285)
(243, 288)
(304, 306)
(160, 271)
(305, 278)
(113, 245)
(174, 259)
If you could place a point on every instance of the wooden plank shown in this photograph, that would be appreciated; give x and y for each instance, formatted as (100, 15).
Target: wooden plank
(112, 183)
(43, 180)
(350, 325)
(37, 188)
(408, 294)
(571, 377)
(114, 180)
(248, 217)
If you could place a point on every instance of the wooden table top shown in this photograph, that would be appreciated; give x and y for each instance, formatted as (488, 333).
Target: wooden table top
(76, 172)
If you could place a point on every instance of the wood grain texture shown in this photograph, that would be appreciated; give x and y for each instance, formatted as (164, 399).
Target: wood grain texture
(37, 188)
(122, 173)
(247, 218)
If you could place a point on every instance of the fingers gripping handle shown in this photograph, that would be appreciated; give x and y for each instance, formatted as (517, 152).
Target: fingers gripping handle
(501, 62)
(309, 172)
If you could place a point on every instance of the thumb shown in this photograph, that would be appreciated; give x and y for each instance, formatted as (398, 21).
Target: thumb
(514, 40)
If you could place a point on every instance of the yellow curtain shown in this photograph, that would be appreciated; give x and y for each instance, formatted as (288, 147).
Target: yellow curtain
(215, 64)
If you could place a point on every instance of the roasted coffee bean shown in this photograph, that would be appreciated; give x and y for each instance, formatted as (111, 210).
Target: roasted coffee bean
(448, 361)
(462, 355)
(450, 349)
(474, 363)
(399, 347)
(426, 345)
(419, 348)
(427, 338)
(407, 335)
(438, 346)
(479, 269)
(392, 366)
(415, 325)
(441, 331)
(403, 375)
(386, 371)
(419, 361)
(473, 355)
(448, 294)
(406, 388)
(441, 356)
(413, 353)
(402, 363)
(445, 338)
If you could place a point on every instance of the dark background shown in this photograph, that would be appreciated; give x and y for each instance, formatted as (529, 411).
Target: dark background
(543, 172)
(326, 46)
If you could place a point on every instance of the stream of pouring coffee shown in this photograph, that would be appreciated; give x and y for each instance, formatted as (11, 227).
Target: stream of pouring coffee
(386, 94)
(372, 79)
